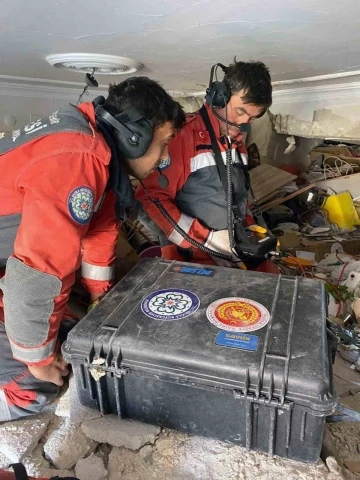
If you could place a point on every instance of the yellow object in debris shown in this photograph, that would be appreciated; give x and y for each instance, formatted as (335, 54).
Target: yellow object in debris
(341, 210)
(257, 229)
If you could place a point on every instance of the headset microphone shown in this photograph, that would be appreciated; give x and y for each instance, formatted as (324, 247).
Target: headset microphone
(243, 127)
(163, 181)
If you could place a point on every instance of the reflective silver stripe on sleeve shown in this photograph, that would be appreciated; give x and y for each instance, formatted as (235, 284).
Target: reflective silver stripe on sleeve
(185, 223)
(94, 272)
(36, 354)
(244, 158)
(207, 159)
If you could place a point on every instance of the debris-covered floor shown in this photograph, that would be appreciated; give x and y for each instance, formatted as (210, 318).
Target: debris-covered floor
(108, 448)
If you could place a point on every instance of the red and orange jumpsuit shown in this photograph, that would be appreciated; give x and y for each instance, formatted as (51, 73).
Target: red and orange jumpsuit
(55, 216)
(195, 196)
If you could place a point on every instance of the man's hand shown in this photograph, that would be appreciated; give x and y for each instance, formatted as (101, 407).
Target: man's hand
(54, 372)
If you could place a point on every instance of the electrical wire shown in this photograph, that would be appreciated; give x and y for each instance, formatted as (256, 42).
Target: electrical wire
(84, 92)
(86, 88)
(320, 278)
(342, 272)
(182, 232)
(303, 273)
(341, 167)
(229, 204)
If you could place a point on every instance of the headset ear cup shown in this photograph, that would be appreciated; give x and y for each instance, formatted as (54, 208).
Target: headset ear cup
(218, 94)
(144, 130)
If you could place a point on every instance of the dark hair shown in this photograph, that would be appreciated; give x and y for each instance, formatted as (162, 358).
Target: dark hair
(252, 77)
(148, 97)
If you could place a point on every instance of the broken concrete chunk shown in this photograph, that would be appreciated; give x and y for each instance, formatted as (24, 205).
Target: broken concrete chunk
(19, 439)
(90, 468)
(63, 406)
(125, 464)
(36, 463)
(332, 465)
(120, 433)
(146, 451)
(67, 445)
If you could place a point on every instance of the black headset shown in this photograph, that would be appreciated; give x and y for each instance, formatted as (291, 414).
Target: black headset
(218, 93)
(133, 132)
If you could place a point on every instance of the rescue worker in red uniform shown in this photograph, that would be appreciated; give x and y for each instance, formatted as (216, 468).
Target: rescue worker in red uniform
(195, 196)
(64, 190)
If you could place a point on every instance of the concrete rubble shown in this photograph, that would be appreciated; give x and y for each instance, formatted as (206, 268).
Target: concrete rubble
(90, 468)
(127, 450)
(120, 433)
(178, 456)
(63, 405)
(36, 463)
(67, 445)
(19, 439)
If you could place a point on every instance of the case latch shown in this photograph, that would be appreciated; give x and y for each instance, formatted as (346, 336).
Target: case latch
(262, 399)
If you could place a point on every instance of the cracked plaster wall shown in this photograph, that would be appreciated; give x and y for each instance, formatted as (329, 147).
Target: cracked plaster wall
(319, 109)
(341, 123)
(272, 145)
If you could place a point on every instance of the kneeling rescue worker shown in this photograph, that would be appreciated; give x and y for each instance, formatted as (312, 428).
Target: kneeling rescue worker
(64, 189)
(194, 193)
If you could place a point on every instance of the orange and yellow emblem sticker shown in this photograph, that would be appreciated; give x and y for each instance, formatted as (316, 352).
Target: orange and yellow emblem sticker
(238, 314)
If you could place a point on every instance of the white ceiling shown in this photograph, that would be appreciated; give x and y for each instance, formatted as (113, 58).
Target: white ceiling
(179, 40)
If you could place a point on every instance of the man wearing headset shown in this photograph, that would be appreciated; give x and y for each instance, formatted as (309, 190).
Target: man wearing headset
(194, 194)
(64, 189)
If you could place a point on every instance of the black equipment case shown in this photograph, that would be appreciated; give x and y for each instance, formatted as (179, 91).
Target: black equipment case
(269, 389)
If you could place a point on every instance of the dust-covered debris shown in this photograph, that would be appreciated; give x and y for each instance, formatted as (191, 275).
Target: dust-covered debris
(90, 468)
(63, 406)
(67, 445)
(20, 438)
(120, 433)
(103, 452)
(146, 451)
(346, 439)
(346, 436)
(36, 463)
(177, 456)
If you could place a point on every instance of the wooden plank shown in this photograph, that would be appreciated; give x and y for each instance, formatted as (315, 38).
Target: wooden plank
(279, 201)
(269, 197)
(266, 179)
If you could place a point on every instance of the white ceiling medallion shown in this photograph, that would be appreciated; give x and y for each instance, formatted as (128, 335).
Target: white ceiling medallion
(87, 62)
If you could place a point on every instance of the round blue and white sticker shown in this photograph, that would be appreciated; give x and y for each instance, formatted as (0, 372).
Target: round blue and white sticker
(170, 304)
(165, 163)
(81, 204)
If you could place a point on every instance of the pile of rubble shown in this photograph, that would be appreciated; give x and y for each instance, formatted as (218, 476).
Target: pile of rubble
(99, 448)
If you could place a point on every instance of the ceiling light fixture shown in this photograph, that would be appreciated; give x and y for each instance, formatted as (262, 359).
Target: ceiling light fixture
(94, 62)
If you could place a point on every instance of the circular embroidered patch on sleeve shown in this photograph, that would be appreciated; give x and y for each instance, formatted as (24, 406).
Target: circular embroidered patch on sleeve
(170, 304)
(238, 314)
(81, 204)
(165, 163)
